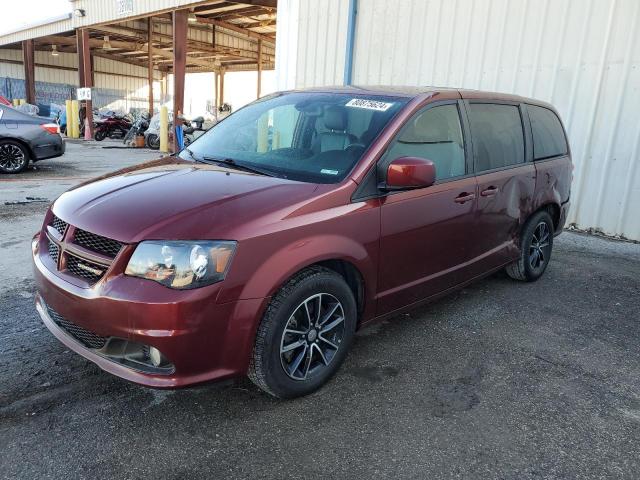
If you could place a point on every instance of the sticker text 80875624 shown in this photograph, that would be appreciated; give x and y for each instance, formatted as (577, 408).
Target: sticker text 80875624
(369, 104)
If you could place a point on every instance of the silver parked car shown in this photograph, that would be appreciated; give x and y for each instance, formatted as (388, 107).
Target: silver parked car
(25, 138)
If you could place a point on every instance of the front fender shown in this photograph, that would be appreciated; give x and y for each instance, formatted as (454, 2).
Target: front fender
(296, 255)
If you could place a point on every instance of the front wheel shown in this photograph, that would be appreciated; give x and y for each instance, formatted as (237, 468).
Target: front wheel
(153, 141)
(99, 135)
(536, 244)
(304, 335)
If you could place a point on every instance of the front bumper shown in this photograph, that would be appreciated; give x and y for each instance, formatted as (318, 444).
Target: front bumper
(201, 339)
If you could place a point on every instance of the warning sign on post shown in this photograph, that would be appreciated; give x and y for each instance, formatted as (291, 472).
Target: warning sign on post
(84, 94)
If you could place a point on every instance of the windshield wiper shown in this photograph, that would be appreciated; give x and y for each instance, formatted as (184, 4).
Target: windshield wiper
(230, 162)
(193, 157)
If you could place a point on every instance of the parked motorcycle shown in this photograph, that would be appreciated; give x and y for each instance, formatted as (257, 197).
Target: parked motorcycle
(140, 126)
(114, 126)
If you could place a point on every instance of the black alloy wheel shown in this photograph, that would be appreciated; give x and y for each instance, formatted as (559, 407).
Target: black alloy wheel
(14, 157)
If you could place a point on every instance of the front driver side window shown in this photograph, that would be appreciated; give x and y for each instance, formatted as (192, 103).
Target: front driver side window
(434, 134)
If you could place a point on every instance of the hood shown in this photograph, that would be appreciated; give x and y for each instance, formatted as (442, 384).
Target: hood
(174, 199)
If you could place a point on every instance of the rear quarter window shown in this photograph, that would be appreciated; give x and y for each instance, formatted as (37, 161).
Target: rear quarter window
(548, 136)
(498, 137)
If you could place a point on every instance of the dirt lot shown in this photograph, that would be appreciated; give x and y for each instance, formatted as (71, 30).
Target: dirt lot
(500, 380)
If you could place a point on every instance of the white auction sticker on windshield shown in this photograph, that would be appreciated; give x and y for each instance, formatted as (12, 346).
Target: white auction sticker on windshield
(326, 171)
(369, 104)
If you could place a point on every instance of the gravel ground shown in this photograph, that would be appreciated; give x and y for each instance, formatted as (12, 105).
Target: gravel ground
(499, 380)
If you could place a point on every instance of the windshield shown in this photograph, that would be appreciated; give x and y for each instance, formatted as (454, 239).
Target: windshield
(309, 136)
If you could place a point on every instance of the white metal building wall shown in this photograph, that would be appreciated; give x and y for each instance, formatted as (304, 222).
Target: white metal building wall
(583, 56)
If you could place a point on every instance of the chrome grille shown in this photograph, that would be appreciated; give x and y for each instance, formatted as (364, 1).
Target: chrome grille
(85, 337)
(59, 225)
(54, 251)
(97, 243)
(92, 272)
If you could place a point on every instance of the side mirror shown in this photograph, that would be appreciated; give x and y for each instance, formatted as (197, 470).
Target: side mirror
(410, 172)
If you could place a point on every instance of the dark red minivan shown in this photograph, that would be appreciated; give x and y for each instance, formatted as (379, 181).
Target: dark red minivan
(261, 248)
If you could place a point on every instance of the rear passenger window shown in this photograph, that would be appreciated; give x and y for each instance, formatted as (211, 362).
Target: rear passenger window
(548, 135)
(498, 139)
(434, 134)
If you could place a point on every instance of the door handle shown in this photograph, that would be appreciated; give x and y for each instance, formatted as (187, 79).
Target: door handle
(464, 197)
(489, 191)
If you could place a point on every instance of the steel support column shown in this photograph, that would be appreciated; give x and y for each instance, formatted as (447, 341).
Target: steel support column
(29, 71)
(180, 25)
(80, 50)
(221, 86)
(150, 63)
(259, 67)
(87, 76)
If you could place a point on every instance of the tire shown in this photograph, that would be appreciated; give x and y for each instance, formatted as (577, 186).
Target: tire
(536, 245)
(282, 373)
(152, 141)
(99, 135)
(14, 157)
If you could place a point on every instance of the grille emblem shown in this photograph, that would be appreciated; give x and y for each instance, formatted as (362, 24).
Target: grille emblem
(87, 268)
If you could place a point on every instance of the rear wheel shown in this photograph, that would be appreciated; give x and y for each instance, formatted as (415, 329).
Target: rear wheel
(14, 157)
(536, 244)
(304, 335)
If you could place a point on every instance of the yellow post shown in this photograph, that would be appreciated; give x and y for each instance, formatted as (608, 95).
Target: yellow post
(164, 129)
(22, 101)
(75, 120)
(16, 102)
(69, 115)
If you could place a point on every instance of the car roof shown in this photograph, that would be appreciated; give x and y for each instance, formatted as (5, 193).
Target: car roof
(408, 91)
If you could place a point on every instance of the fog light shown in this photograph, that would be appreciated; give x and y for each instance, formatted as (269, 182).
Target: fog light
(155, 356)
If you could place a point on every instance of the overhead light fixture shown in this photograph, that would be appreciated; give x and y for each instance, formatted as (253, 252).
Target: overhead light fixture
(79, 12)
(106, 45)
(192, 18)
(54, 51)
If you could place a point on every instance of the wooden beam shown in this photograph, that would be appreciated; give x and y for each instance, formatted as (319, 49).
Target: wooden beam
(150, 63)
(29, 71)
(130, 46)
(257, 24)
(180, 27)
(195, 44)
(245, 12)
(262, 3)
(235, 28)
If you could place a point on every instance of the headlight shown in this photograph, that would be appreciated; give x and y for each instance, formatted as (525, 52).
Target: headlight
(181, 265)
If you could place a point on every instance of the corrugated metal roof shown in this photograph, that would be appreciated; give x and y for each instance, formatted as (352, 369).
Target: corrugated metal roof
(96, 11)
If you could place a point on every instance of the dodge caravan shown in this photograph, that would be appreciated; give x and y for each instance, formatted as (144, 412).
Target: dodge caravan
(261, 248)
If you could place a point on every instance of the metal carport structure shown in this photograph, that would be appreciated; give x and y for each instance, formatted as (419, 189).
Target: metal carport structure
(154, 38)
